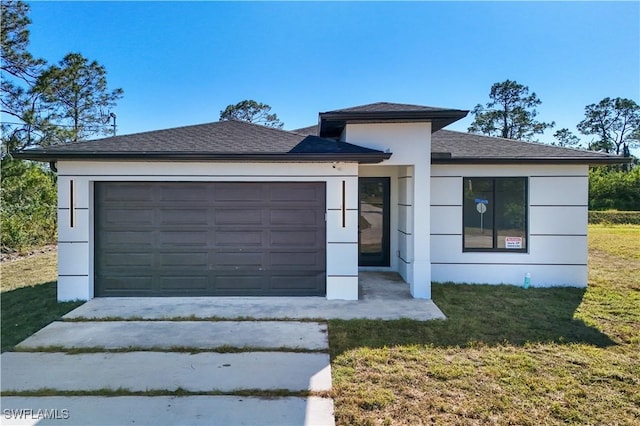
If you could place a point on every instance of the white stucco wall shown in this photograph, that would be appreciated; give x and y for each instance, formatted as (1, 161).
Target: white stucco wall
(75, 245)
(557, 215)
(410, 144)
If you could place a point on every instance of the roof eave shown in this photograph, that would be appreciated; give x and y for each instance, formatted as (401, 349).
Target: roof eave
(365, 158)
(393, 115)
(442, 159)
(439, 119)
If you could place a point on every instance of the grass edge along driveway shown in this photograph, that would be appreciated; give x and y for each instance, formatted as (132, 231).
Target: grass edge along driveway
(28, 297)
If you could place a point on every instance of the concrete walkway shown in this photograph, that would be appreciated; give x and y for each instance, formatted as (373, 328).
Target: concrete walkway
(292, 358)
(169, 410)
(167, 335)
(170, 371)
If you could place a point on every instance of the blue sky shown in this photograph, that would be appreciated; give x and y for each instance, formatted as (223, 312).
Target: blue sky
(180, 63)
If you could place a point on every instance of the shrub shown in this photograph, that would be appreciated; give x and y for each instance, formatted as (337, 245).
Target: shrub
(611, 189)
(614, 217)
(28, 206)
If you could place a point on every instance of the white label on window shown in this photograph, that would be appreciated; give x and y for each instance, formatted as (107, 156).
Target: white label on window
(513, 242)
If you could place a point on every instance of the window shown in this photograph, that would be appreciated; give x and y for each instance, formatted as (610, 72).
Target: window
(495, 214)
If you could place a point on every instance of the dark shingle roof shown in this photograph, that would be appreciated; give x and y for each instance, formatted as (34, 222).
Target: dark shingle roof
(239, 140)
(451, 146)
(309, 130)
(223, 141)
(219, 137)
(332, 123)
(448, 146)
(316, 144)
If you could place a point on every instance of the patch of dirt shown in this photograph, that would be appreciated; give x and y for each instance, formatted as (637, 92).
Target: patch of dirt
(10, 257)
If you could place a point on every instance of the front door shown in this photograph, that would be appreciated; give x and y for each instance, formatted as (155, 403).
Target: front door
(373, 224)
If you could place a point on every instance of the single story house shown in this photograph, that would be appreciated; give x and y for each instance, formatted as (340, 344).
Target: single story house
(233, 209)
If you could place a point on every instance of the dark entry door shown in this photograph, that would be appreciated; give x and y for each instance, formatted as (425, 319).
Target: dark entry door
(210, 239)
(373, 225)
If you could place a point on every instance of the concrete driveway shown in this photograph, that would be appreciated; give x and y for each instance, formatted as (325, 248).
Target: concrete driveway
(191, 361)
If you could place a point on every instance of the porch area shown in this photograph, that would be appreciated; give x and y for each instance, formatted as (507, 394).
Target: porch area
(382, 295)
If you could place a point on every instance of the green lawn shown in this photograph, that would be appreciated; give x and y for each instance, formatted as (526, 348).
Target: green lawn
(505, 355)
(28, 297)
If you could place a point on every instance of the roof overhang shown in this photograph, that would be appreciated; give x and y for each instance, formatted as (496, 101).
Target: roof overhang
(446, 158)
(333, 123)
(46, 156)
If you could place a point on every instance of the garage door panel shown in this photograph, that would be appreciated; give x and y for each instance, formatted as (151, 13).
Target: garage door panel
(123, 192)
(184, 283)
(295, 285)
(129, 284)
(299, 193)
(117, 217)
(185, 192)
(130, 238)
(238, 192)
(240, 238)
(184, 260)
(120, 259)
(296, 260)
(188, 217)
(294, 217)
(293, 238)
(249, 216)
(205, 238)
(234, 285)
(182, 238)
(239, 259)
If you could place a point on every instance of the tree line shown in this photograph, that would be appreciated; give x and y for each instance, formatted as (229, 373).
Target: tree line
(42, 104)
(45, 104)
(613, 123)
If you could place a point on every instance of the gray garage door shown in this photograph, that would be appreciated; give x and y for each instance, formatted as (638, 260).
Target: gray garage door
(210, 239)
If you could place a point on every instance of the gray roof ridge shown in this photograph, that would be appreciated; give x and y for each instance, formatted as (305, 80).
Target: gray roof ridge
(170, 129)
(154, 131)
(261, 126)
(392, 103)
(419, 107)
(144, 132)
(297, 131)
(583, 150)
